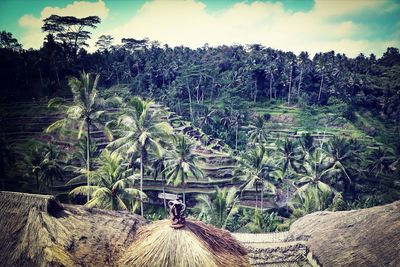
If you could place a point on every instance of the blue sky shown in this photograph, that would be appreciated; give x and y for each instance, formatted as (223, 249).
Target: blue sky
(346, 26)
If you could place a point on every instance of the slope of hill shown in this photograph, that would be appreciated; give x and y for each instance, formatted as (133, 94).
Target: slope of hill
(28, 120)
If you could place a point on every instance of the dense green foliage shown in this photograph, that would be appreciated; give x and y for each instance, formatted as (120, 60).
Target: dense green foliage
(235, 93)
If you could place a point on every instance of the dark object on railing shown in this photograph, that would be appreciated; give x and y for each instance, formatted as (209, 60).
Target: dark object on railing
(176, 213)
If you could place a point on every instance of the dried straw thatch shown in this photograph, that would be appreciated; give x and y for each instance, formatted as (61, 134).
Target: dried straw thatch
(367, 237)
(195, 245)
(36, 230)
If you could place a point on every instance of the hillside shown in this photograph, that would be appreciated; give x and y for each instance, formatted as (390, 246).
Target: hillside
(28, 120)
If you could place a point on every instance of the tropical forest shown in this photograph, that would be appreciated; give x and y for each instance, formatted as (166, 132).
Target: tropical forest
(248, 139)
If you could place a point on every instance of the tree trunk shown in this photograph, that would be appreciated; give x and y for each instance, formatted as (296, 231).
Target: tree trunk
(236, 136)
(320, 87)
(287, 194)
(290, 84)
(163, 189)
(56, 72)
(198, 91)
(301, 77)
(270, 86)
(138, 75)
(88, 155)
(37, 182)
(190, 100)
(183, 193)
(41, 78)
(256, 196)
(211, 94)
(255, 91)
(262, 198)
(141, 183)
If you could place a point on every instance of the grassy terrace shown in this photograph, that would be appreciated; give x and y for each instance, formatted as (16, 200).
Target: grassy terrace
(30, 119)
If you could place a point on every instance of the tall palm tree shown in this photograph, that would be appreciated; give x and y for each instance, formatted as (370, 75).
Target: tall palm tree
(291, 159)
(33, 159)
(43, 161)
(110, 188)
(218, 209)
(312, 186)
(254, 168)
(86, 110)
(208, 120)
(140, 130)
(307, 143)
(159, 165)
(51, 167)
(8, 155)
(270, 70)
(258, 134)
(343, 155)
(381, 161)
(182, 163)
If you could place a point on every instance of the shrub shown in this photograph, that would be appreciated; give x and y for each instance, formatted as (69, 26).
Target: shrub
(267, 116)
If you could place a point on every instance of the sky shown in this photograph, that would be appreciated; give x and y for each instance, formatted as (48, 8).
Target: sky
(345, 26)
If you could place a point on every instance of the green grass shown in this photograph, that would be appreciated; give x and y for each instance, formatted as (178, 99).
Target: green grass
(383, 132)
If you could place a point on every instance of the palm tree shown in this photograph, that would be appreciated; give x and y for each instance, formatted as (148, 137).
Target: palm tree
(51, 167)
(181, 163)
(343, 155)
(270, 70)
(6, 158)
(86, 110)
(110, 188)
(381, 161)
(42, 161)
(311, 185)
(208, 119)
(291, 158)
(232, 118)
(321, 69)
(218, 209)
(255, 167)
(33, 159)
(307, 143)
(258, 134)
(158, 166)
(140, 130)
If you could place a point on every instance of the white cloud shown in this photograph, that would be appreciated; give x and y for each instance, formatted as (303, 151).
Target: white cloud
(327, 26)
(320, 29)
(31, 25)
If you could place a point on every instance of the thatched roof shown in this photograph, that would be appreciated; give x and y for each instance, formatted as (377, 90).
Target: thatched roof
(195, 245)
(367, 237)
(36, 230)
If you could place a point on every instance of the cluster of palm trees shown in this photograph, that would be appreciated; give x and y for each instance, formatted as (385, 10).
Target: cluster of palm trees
(143, 142)
(42, 161)
(315, 173)
(140, 139)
